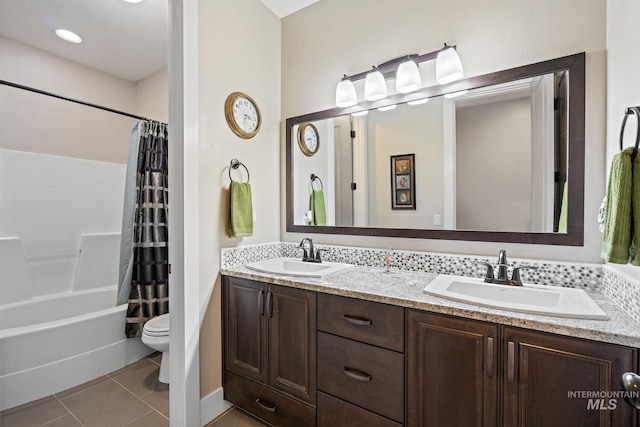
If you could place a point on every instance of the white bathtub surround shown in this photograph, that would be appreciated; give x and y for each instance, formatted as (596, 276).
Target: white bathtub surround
(52, 343)
(15, 275)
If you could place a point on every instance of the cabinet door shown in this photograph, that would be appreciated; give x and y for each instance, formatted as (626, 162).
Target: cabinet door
(246, 328)
(452, 368)
(292, 341)
(545, 376)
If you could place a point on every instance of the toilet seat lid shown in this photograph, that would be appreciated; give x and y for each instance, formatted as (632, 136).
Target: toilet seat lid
(157, 326)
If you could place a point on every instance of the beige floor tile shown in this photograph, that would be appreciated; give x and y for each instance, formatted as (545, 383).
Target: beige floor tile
(235, 418)
(33, 414)
(66, 421)
(159, 400)
(155, 357)
(106, 405)
(152, 419)
(140, 378)
(81, 387)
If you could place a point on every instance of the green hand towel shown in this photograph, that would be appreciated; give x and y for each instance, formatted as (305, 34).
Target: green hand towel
(623, 209)
(240, 210)
(316, 205)
(562, 221)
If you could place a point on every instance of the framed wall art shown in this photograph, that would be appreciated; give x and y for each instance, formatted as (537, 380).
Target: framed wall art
(403, 183)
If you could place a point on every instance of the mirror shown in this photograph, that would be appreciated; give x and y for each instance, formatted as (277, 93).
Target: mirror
(502, 162)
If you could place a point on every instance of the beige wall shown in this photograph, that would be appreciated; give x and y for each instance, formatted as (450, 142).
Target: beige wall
(239, 50)
(334, 37)
(37, 123)
(493, 172)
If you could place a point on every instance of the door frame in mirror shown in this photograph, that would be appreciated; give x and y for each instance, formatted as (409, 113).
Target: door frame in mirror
(574, 236)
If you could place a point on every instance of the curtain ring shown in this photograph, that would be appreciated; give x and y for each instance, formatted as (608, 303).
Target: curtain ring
(235, 164)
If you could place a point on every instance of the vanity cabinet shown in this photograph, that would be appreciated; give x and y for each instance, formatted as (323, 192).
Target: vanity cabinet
(466, 372)
(360, 363)
(270, 351)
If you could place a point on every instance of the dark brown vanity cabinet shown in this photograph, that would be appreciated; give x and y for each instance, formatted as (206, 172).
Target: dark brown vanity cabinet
(542, 371)
(452, 371)
(471, 373)
(270, 351)
(360, 363)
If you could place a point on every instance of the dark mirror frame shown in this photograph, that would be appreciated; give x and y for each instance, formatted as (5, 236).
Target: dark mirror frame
(574, 236)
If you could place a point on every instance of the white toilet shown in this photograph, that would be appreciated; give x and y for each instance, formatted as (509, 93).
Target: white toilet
(156, 335)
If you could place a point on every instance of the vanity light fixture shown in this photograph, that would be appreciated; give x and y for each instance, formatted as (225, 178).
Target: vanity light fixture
(346, 93)
(406, 72)
(418, 101)
(360, 113)
(68, 36)
(408, 77)
(388, 107)
(375, 87)
(448, 66)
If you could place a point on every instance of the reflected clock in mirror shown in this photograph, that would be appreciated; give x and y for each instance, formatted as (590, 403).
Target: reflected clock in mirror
(308, 139)
(495, 163)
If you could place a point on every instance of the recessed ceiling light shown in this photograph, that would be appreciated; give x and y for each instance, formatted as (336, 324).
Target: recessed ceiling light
(133, 1)
(387, 108)
(69, 36)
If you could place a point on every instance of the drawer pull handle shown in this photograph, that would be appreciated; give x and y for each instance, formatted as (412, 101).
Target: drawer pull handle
(360, 321)
(357, 375)
(269, 407)
(490, 356)
(511, 361)
(261, 303)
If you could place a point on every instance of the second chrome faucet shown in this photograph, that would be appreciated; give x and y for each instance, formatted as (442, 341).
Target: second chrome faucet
(502, 276)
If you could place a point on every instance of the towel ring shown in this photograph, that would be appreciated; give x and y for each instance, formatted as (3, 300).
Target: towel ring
(313, 180)
(629, 111)
(235, 164)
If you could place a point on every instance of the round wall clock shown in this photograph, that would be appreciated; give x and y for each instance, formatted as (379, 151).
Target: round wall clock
(242, 114)
(308, 139)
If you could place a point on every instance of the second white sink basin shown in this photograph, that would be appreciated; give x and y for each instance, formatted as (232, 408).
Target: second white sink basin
(530, 298)
(296, 267)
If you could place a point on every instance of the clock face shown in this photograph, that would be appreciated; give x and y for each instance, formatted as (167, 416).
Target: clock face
(242, 114)
(311, 138)
(308, 139)
(245, 114)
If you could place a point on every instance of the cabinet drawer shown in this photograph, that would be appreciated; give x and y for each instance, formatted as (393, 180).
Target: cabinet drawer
(271, 406)
(370, 377)
(334, 412)
(370, 322)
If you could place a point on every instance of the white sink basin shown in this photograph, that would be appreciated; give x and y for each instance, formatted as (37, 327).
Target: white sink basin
(530, 298)
(296, 267)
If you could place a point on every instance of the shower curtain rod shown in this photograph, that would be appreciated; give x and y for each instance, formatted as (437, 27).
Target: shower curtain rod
(42, 92)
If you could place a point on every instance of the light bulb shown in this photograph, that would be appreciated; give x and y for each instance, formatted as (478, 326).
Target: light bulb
(346, 94)
(375, 87)
(448, 66)
(408, 77)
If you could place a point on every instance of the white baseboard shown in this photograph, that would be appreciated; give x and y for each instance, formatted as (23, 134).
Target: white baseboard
(213, 406)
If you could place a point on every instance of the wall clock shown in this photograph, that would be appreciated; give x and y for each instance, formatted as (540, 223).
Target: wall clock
(308, 139)
(242, 114)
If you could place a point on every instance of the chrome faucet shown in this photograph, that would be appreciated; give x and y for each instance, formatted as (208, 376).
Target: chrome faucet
(310, 254)
(502, 278)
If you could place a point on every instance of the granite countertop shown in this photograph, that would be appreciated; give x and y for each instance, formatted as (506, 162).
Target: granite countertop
(404, 288)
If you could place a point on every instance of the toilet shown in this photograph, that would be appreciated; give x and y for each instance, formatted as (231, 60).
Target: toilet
(156, 335)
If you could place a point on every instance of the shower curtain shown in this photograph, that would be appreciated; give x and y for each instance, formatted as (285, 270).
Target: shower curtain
(144, 250)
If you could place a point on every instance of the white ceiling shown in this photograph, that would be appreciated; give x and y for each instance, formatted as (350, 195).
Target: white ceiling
(123, 39)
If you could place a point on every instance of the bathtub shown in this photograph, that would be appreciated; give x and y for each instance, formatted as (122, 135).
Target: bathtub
(49, 344)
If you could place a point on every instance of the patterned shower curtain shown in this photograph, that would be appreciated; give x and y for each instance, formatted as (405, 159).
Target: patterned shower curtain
(146, 260)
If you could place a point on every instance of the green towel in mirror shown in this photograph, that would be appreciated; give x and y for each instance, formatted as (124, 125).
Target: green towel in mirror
(316, 205)
(240, 210)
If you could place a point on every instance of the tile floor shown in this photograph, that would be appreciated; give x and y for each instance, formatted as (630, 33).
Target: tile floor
(131, 396)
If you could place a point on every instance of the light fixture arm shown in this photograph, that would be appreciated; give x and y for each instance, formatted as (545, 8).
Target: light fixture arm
(390, 67)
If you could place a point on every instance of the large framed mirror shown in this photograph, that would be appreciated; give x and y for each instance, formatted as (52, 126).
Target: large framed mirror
(501, 162)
